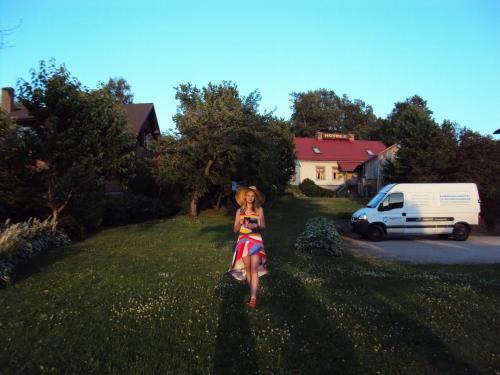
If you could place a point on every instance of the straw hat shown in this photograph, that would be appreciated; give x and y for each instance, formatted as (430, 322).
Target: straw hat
(242, 191)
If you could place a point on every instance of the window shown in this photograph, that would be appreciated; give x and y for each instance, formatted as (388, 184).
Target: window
(392, 201)
(335, 173)
(316, 150)
(148, 141)
(370, 152)
(320, 173)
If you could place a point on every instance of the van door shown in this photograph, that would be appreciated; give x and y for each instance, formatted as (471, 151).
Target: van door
(391, 211)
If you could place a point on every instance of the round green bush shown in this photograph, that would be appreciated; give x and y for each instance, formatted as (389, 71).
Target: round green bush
(309, 188)
(320, 238)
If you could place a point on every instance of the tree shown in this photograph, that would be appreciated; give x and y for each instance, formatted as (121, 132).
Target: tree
(271, 162)
(478, 161)
(82, 136)
(210, 123)
(426, 150)
(18, 178)
(120, 89)
(324, 110)
(221, 137)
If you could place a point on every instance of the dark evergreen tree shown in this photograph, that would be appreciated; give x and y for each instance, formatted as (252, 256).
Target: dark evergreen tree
(427, 150)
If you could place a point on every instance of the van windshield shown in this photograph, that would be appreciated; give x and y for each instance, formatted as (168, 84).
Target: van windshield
(375, 200)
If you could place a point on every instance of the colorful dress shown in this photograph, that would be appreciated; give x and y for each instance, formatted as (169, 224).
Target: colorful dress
(249, 243)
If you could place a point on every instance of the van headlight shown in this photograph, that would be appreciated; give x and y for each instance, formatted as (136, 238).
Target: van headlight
(362, 218)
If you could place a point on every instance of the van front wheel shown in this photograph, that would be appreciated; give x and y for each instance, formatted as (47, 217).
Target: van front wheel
(375, 233)
(460, 232)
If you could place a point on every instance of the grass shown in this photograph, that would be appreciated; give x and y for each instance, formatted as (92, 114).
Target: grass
(155, 298)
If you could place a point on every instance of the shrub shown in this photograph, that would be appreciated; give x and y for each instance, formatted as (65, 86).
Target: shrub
(294, 190)
(72, 227)
(320, 238)
(309, 188)
(22, 241)
(130, 208)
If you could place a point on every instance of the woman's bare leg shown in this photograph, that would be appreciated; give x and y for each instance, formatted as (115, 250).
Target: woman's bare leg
(248, 273)
(254, 282)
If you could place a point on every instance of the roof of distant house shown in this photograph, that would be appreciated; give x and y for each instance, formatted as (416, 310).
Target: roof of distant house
(137, 113)
(345, 150)
(21, 114)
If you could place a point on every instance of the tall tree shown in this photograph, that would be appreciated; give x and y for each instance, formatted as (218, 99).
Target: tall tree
(221, 137)
(209, 122)
(269, 162)
(478, 161)
(324, 110)
(83, 137)
(120, 89)
(427, 150)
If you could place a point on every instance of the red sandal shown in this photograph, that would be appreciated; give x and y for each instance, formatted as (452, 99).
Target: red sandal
(252, 303)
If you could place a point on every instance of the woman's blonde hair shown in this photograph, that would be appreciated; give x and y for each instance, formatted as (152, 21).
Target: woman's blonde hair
(256, 202)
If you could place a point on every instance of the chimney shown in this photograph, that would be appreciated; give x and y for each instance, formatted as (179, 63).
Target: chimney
(8, 99)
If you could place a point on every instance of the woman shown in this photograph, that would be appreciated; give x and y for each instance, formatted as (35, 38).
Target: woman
(249, 259)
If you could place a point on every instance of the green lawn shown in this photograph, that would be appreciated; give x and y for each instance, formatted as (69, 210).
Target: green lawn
(155, 298)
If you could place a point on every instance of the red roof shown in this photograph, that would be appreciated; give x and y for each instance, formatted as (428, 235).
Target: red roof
(348, 166)
(337, 150)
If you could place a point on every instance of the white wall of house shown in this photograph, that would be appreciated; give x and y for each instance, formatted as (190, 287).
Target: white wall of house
(307, 169)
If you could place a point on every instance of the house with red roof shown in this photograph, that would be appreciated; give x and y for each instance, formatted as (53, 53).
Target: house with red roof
(331, 159)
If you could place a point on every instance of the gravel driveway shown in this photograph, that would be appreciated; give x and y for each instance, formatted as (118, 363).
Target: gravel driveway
(477, 249)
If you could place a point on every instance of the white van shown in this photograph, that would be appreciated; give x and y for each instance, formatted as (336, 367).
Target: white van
(416, 209)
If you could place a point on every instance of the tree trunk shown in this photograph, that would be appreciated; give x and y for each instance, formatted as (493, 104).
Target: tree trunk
(219, 199)
(56, 210)
(193, 211)
(207, 167)
(54, 221)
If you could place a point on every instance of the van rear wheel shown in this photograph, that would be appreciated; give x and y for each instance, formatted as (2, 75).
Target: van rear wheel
(460, 232)
(375, 233)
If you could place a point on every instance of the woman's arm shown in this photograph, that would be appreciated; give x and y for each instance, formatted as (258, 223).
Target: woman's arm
(262, 220)
(237, 222)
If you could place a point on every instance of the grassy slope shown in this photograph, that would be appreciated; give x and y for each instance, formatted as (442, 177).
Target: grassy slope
(155, 298)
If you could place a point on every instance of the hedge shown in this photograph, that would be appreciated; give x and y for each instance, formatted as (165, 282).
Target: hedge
(309, 188)
(20, 242)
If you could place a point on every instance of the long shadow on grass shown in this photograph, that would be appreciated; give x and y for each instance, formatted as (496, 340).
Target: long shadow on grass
(235, 345)
(388, 297)
(316, 345)
(35, 265)
(312, 332)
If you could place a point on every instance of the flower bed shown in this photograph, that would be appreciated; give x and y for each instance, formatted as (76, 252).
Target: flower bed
(20, 242)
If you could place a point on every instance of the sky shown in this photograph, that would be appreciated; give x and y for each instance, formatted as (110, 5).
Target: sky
(381, 52)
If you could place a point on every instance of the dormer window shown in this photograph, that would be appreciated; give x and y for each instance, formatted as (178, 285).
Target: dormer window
(316, 150)
(370, 152)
